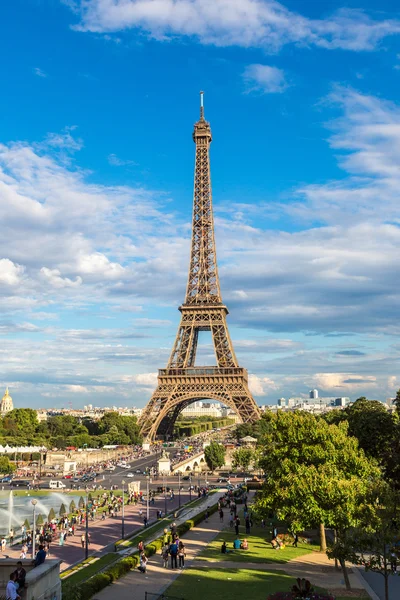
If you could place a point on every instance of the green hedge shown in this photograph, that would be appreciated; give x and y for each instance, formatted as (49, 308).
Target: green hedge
(98, 582)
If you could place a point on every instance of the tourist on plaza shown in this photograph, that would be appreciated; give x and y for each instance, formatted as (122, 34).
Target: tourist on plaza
(143, 563)
(296, 540)
(145, 521)
(181, 554)
(165, 555)
(221, 515)
(40, 557)
(173, 551)
(247, 524)
(206, 515)
(244, 545)
(11, 590)
(20, 575)
(83, 540)
(231, 521)
(141, 546)
(237, 523)
(3, 544)
(11, 536)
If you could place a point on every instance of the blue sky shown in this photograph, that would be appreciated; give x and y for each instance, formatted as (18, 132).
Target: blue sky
(97, 108)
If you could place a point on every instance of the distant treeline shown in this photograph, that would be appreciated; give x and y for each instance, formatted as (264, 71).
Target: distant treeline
(194, 426)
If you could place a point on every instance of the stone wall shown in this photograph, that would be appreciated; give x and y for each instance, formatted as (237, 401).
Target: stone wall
(42, 583)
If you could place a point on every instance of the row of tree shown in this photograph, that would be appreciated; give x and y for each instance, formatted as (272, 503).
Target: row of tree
(340, 472)
(21, 427)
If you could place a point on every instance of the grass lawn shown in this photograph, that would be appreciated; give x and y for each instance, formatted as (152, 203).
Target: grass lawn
(260, 550)
(197, 584)
(90, 569)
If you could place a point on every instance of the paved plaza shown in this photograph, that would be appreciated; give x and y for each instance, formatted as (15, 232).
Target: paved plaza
(103, 533)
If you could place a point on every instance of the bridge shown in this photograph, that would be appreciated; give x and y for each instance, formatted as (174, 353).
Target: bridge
(197, 462)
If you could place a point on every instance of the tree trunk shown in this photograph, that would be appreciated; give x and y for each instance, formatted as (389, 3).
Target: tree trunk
(322, 538)
(386, 576)
(345, 573)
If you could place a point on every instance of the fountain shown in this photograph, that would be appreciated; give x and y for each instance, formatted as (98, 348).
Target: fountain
(10, 509)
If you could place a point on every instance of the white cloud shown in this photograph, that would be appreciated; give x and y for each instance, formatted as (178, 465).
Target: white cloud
(265, 24)
(265, 79)
(260, 386)
(39, 72)
(10, 273)
(344, 382)
(53, 276)
(114, 160)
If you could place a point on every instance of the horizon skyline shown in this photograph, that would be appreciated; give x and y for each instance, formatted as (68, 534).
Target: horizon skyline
(96, 188)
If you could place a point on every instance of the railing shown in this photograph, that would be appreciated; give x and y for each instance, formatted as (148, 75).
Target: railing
(198, 371)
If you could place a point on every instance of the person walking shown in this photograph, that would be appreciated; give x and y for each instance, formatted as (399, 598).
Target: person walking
(181, 554)
(143, 563)
(173, 551)
(221, 515)
(83, 540)
(11, 589)
(237, 523)
(296, 540)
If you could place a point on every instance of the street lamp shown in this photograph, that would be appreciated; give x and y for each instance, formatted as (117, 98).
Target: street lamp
(87, 526)
(147, 496)
(179, 488)
(34, 502)
(190, 487)
(165, 496)
(123, 510)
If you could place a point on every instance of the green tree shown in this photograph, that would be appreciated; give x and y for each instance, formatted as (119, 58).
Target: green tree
(63, 510)
(27, 525)
(316, 475)
(6, 466)
(242, 457)
(39, 520)
(81, 502)
(214, 455)
(371, 544)
(72, 507)
(22, 421)
(51, 515)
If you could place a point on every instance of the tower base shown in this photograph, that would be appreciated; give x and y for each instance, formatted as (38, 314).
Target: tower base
(177, 388)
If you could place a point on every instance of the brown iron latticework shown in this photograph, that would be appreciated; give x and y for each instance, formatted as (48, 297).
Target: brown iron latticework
(181, 383)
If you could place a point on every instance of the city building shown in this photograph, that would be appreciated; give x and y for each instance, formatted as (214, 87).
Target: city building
(314, 403)
(204, 409)
(6, 404)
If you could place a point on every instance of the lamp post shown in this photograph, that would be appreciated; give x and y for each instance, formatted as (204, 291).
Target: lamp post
(147, 496)
(123, 510)
(179, 489)
(165, 496)
(190, 487)
(87, 526)
(34, 502)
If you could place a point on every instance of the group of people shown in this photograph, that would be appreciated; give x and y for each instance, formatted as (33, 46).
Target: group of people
(173, 549)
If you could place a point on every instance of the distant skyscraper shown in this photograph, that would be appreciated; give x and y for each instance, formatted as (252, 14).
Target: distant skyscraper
(6, 404)
(313, 394)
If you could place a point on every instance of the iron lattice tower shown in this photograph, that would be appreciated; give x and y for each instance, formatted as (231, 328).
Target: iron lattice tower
(181, 383)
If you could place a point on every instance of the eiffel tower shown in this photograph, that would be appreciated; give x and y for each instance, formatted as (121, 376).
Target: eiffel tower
(181, 383)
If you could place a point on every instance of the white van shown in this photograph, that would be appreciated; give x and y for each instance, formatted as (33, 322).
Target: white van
(56, 485)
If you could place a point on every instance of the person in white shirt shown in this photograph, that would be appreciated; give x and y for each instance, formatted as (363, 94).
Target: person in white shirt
(11, 590)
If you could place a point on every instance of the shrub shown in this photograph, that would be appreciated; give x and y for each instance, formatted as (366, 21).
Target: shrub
(292, 596)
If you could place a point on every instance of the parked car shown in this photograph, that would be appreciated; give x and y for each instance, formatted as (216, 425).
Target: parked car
(138, 471)
(130, 475)
(7, 479)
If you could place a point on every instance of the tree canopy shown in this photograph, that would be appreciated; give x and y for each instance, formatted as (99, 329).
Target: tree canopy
(214, 455)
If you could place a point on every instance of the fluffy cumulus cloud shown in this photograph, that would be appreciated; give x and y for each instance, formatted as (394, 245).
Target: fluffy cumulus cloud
(264, 79)
(305, 293)
(264, 24)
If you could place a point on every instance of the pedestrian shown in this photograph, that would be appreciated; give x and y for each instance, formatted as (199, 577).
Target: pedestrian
(165, 555)
(11, 536)
(3, 544)
(247, 524)
(141, 546)
(231, 521)
(237, 523)
(393, 561)
(296, 539)
(181, 554)
(11, 589)
(173, 551)
(83, 540)
(143, 563)
(206, 516)
(221, 515)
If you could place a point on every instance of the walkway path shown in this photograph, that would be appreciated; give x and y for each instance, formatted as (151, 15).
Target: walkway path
(134, 585)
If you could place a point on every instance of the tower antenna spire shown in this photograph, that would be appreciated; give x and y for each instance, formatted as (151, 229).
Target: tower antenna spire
(201, 105)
